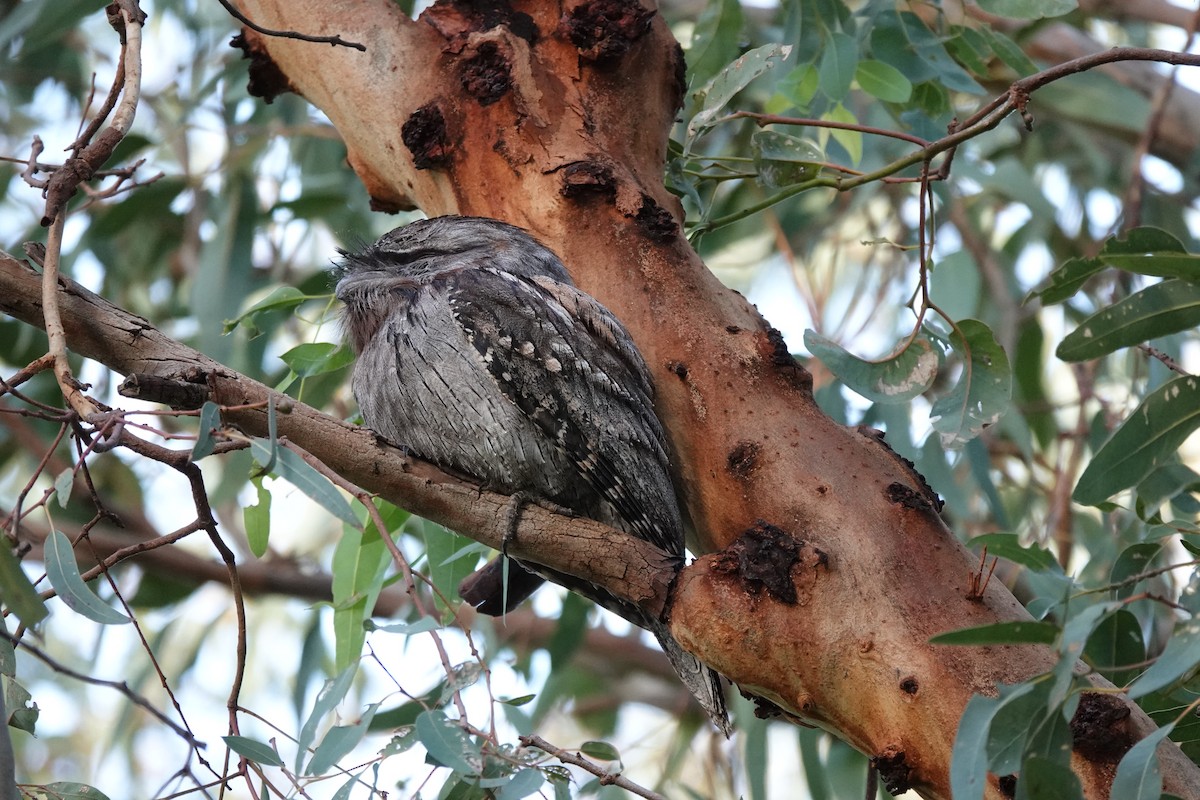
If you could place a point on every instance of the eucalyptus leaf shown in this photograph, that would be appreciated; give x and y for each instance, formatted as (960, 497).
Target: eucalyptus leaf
(316, 358)
(1028, 9)
(338, 742)
(1139, 776)
(883, 81)
(256, 751)
(257, 519)
(331, 694)
(63, 573)
(210, 418)
(522, 784)
(782, 160)
(897, 378)
(294, 469)
(1021, 632)
(1151, 251)
(837, 65)
(446, 743)
(1176, 661)
(983, 391)
(1163, 308)
(16, 590)
(1151, 435)
(733, 79)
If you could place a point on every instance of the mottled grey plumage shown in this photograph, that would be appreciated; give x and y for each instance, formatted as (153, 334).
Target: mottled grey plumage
(476, 352)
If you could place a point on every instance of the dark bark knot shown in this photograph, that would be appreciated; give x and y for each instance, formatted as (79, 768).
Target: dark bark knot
(742, 461)
(456, 19)
(584, 179)
(763, 558)
(908, 497)
(655, 221)
(605, 30)
(930, 497)
(1100, 728)
(893, 769)
(783, 360)
(266, 80)
(424, 134)
(486, 76)
(678, 369)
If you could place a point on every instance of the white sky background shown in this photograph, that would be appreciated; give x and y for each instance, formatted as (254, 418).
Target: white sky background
(297, 521)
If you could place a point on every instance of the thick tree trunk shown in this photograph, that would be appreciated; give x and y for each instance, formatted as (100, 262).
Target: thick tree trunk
(555, 118)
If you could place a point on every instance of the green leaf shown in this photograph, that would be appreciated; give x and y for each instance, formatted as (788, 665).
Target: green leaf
(1023, 632)
(254, 750)
(327, 699)
(1164, 308)
(852, 141)
(1008, 545)
(22, 713)
(1139, 776)
(983, 391)
(1176, 661)
(16, 590)
(292, 468)
(444, 570)
(1009, 52)
(524, 783)
(63, 483)
(65, 790)
(518, 701)
(714, 40)
(1151, 251)
(460, 677)
(446, 743)
(1132, 561)
(284, 298)
(969, 758)
(63, 573)
(257, 519)
(1151, 435)
(338, 742)
(1116, 642)
(838, 62)
(1028, 9)
(423, 625)
(1044, 778)
(210, 418)
(359, 564)
(732, 80)
(316, 358)
(601, 750)
(782, 160)
(883, 81)
(1068, 279)
(897, 378)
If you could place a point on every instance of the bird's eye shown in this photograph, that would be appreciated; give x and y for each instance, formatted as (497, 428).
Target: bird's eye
(406, 257)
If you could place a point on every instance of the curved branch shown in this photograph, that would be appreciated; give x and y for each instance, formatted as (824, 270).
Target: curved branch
(627, 567)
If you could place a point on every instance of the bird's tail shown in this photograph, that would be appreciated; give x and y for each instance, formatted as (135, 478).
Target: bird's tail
(703, 682)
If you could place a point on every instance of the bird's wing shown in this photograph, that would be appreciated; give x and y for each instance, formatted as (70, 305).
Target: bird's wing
(570, 367)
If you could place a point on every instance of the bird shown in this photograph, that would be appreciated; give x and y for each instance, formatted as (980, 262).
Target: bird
(475, 351)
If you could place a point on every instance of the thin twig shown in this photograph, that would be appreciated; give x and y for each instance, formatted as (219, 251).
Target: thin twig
(120, 686)
(336, 41)
(606, 778)
(988, 117)
(1166, 360)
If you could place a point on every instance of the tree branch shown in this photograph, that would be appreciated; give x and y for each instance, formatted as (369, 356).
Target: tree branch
(627, 567)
